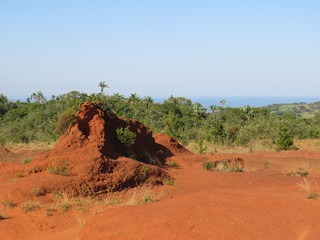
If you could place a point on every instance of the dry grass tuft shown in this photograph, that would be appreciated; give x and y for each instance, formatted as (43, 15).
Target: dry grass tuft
(305, 186)
(2, 216)
(81, 220)
(30, 205)
(140, 196)
(7, 202)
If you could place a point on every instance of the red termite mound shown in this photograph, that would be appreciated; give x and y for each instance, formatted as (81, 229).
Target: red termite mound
(89, 159)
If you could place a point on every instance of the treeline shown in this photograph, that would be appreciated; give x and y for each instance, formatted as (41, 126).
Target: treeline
(42, 120)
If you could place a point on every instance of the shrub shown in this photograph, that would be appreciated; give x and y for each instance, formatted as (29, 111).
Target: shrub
(208, 166)
(20, 175)
(284, 140)
(201, 147)
(126, 136)
(65, 119)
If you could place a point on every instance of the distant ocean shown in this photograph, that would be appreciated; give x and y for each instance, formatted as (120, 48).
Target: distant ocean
(232, 101)
(251, 101)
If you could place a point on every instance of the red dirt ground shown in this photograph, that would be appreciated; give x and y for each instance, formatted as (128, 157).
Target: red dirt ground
(257, 204)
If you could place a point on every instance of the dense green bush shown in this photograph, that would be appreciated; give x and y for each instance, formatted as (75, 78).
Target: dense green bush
(126, 136)
(284, 140)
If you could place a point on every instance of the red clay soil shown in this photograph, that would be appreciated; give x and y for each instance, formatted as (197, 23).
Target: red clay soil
(172, 146)
(257, 205)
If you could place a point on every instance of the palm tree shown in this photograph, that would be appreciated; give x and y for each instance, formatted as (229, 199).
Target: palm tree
(213, 108)
(223, 102)
(133, 98)
(197, 107)
(148, 100)
(102, 86)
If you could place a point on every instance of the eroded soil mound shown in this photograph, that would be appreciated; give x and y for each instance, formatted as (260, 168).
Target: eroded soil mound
(89, 159)
(169, 145)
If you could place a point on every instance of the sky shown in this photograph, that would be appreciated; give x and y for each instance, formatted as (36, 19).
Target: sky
(159, 48)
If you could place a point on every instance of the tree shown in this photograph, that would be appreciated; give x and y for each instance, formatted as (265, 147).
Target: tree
(134, 98)
(38, 97)
(223, 102)
(102, 86)
(5, 105)
(213, 109)
(284, 140)
(147, 100)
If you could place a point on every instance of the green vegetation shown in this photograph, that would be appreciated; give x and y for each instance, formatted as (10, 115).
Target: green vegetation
(201, 147)
(284, 140)
(42, 120)
(27, 160)
(222, 166)
(300, 171)
(20, 175)
(175, 164)
(266, 165)
(169, 182)
(145, 169)
(126, 136)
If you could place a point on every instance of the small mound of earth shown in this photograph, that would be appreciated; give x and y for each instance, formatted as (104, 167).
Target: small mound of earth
(89, 159)
(170, 146)
(4, 150)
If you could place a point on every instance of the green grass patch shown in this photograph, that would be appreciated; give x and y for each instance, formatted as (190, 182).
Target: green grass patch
(27, 160)
(20, 175)
(169, 182)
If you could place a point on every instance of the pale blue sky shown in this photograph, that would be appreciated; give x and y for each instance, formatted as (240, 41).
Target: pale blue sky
(158, 48)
